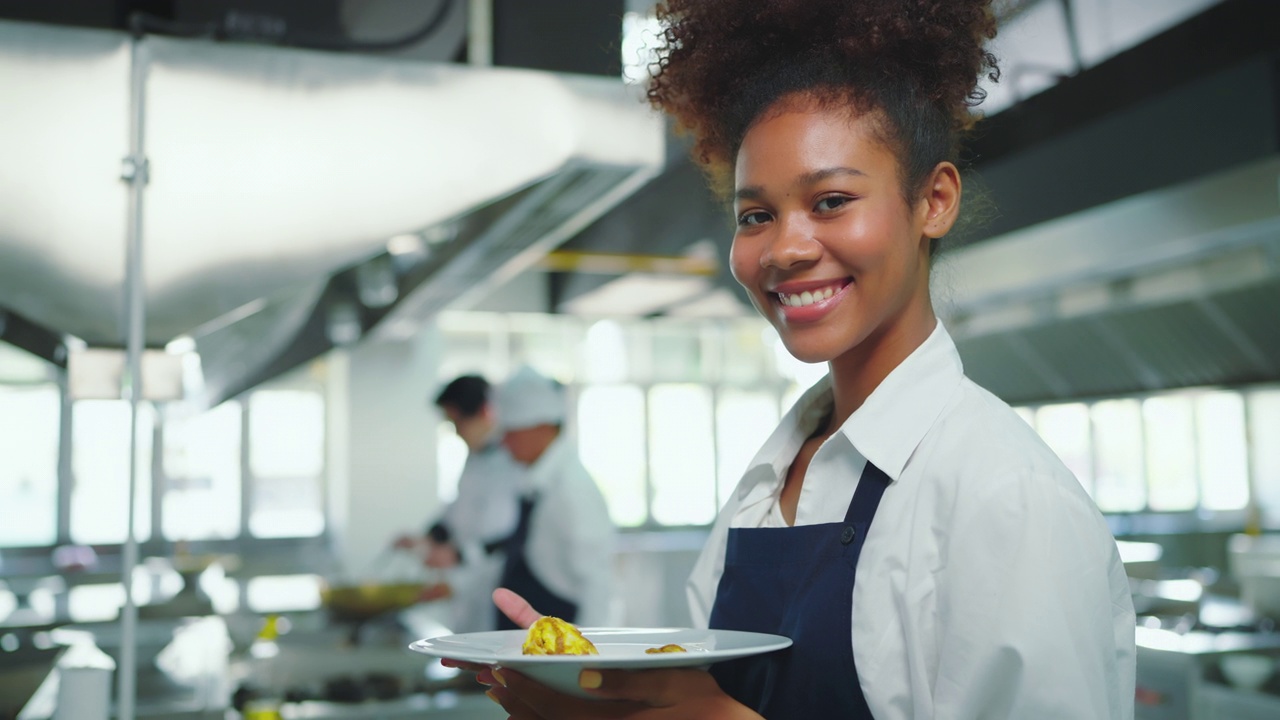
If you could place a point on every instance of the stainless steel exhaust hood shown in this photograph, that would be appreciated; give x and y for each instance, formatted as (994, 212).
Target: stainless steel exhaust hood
(273, 170)
(1172, 288)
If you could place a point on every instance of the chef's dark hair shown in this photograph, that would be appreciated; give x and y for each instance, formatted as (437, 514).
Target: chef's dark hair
(913, 64)
(467, 394)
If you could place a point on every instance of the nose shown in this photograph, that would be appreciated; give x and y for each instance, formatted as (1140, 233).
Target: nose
(793, 245)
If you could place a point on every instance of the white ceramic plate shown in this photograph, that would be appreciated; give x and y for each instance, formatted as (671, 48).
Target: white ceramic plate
(620, 648)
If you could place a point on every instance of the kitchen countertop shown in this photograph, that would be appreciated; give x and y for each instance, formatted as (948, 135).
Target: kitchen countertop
(1206, 643)
(444, 705)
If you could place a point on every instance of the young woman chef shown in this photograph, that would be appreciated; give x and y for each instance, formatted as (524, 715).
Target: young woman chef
(927, 553)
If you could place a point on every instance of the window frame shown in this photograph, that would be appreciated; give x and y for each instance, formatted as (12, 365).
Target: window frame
(1198, 519)
(258, 555)
(710, 335)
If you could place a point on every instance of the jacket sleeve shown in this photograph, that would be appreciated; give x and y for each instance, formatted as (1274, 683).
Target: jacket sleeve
(1034, 616)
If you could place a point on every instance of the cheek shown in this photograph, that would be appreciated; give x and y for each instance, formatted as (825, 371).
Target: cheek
(877, 240)
(744, 263)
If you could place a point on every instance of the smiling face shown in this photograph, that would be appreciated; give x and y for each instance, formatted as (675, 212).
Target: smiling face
(827, 247)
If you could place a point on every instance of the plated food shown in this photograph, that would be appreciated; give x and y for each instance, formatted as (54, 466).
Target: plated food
(618, 648)
(668, 648)
(553, 636)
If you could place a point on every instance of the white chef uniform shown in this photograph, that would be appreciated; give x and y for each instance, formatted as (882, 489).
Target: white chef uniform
(483, 514)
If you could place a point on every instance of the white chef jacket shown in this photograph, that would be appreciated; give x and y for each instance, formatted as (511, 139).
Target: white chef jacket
(488, 501)
(486, 510)
(988, 586)
(571, 538)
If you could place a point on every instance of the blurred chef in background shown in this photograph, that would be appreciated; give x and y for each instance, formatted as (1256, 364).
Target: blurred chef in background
(560, 557)
(468, 539)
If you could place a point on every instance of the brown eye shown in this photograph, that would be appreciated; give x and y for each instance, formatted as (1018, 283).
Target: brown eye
(831, 202)
(753, 217)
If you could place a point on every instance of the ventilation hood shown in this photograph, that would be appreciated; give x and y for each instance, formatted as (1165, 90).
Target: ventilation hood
(275, 173)
(1173, 288)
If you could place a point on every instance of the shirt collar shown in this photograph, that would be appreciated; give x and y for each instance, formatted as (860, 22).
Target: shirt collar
(893, 420)
(887, 428)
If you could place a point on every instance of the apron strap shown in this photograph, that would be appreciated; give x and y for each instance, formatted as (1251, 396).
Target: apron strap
(866, 499)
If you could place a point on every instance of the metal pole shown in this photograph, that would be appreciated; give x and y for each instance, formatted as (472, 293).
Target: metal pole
(133, 172)
(480, 32)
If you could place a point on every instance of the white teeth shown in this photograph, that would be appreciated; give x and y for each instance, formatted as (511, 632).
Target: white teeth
(806, 298)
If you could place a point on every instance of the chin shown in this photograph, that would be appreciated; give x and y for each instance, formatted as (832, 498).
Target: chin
(807, 350)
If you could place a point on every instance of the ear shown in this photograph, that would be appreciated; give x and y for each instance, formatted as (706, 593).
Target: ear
(939, 205)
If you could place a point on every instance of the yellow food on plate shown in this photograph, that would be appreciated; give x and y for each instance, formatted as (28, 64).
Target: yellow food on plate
(553, 636)
(665, 649)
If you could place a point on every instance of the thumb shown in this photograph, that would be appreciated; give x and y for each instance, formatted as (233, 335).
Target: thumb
(515, 607)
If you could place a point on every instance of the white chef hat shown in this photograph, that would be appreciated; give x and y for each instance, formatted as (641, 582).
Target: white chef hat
(527, 399)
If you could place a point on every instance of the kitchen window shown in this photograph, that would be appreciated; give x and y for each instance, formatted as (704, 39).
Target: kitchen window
(286, 460)
(1222, 447)
(218, 477)
(671, 411)
(1170, 434)
(1065, 428)
(744, 420)
(611, 441)
(100, 447)
(668, 411)
(29, 471)
(1263, 421)
(202, 475)
(1170, 452)
(682, 454)
(1119, 454)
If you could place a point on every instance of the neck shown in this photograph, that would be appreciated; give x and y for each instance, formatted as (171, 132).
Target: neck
(857, 373)
(483, 439)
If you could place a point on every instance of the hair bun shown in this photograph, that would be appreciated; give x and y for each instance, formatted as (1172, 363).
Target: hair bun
(713, 50)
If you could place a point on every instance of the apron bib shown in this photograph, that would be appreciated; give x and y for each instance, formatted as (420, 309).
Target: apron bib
(518, 577)
(797, 582)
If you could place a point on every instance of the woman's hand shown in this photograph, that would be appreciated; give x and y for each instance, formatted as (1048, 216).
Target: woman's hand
(519, 611)
(638, 695)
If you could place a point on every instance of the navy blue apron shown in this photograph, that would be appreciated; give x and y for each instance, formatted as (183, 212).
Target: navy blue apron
(797, 582)
(518, 577)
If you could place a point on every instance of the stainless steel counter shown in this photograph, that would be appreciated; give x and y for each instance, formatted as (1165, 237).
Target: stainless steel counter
(1179, 678)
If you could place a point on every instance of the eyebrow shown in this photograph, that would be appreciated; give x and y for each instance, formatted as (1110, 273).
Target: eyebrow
(755, 192)
(818, 175)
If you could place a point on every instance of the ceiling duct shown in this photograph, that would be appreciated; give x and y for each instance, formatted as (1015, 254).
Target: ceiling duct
(1172, 288)
(275, 171)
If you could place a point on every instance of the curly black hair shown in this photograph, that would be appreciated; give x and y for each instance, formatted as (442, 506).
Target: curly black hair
(914, 62)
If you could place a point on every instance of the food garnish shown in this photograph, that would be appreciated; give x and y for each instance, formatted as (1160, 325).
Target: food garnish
(669, 648)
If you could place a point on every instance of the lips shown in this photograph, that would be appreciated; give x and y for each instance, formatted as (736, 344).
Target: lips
(798, 295)
(809, 301)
